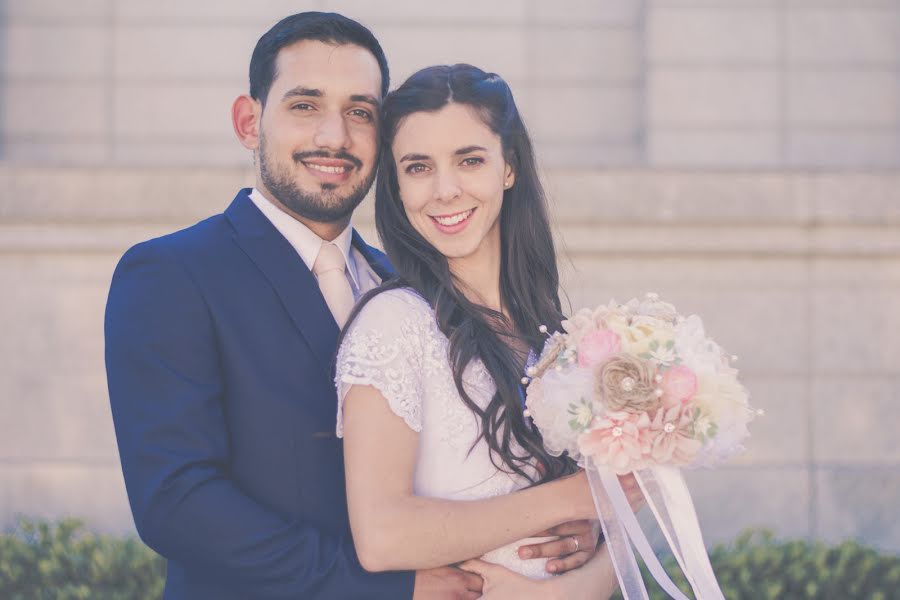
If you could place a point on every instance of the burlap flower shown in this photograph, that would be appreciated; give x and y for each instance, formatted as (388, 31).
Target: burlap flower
(625, 382)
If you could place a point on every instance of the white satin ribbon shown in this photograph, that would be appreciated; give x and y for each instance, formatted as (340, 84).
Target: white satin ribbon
(674, 510)
(670, 501)
(610, 485)
(630, 582)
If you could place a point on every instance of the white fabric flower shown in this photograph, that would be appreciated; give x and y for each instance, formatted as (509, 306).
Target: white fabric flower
(694, 349)
(561, 405)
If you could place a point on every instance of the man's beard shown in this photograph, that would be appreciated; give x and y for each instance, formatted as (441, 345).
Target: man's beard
(323, 207)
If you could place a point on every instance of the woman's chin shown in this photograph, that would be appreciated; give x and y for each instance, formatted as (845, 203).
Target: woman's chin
(455, 251)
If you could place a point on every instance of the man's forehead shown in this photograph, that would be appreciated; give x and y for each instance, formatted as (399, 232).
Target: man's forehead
(333, 70)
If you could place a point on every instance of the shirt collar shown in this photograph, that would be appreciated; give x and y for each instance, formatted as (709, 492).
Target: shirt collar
(302, 238)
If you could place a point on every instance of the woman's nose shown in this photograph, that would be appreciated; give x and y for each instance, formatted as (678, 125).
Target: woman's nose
(446, 187)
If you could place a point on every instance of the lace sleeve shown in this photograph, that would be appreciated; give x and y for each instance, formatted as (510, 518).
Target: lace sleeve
(383, 349)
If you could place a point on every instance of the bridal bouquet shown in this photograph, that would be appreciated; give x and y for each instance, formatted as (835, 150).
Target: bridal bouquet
(639, 388)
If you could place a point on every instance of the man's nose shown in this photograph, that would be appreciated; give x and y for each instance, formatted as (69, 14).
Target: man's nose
(446, 186)
(332, 133)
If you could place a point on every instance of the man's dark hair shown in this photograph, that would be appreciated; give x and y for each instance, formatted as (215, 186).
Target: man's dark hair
(330, 28)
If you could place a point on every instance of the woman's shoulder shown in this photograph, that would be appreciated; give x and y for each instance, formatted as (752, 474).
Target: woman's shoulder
(393, 304)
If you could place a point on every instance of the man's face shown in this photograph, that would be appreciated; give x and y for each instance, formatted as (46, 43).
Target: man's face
(318, 136)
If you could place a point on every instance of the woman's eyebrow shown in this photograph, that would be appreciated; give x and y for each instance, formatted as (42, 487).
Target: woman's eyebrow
(413, 156)
(468, 149)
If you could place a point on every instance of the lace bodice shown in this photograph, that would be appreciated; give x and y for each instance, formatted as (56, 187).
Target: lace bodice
(395, 345)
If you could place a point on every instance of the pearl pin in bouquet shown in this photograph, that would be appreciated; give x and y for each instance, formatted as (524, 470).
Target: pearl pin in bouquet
(637, 387)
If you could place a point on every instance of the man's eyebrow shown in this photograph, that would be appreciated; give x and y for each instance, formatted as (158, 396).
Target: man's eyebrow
(302, 91)
(469, 149)
(367, 98)
(317, 93)
(414, 157)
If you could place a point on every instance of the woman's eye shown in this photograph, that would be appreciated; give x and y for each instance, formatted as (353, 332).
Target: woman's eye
(415, 168)
(472, 161)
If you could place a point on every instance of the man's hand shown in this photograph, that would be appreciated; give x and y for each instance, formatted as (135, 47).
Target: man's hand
(447, 583)
(578, 540)
(577, 543)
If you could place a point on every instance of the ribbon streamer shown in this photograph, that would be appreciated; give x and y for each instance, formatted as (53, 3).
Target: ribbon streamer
(679, 522)
(627, 571)
(669, 499)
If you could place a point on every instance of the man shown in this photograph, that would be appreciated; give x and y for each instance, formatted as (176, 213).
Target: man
(220, 340)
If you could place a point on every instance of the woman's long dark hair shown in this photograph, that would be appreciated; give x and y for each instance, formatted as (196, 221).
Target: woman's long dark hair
(529, 279)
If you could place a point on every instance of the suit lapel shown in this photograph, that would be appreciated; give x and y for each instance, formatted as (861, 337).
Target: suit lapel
(295, 285)
(375, 259)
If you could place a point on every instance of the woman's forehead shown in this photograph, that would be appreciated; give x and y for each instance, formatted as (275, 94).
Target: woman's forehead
(443, 131)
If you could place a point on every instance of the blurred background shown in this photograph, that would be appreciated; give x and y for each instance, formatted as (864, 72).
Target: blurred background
(739, 157)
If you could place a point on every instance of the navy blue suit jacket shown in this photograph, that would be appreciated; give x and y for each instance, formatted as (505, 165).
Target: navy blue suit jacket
(219, 354)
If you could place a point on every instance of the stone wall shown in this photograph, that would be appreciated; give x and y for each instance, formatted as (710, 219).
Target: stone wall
(798, 273)
(660, 83)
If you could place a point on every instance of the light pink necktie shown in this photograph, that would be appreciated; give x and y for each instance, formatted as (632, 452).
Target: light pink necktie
(329, 269)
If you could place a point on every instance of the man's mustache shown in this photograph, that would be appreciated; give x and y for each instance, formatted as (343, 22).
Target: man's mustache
(342, 155)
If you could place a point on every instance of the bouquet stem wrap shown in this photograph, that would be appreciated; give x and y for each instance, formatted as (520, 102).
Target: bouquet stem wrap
(669, 499)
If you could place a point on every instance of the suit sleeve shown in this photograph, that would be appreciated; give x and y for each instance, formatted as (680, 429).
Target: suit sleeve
(165, 389)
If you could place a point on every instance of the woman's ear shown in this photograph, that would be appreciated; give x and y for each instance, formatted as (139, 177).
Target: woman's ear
(509, 177)
(245, 116)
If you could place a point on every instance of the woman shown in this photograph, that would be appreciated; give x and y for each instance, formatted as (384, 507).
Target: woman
(440, 461)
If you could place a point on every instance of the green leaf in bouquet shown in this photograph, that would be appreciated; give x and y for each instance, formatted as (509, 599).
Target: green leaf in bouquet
(582, 414)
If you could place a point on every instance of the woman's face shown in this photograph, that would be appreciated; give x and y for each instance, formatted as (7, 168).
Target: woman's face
(452, 176)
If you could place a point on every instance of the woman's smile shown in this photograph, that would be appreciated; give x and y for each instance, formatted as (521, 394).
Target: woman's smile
(452, 223)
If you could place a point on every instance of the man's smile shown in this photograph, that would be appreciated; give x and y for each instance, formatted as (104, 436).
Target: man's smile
(329, 170)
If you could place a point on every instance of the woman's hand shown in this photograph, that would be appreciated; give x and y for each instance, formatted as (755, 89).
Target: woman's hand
(632, 491)
(582, 501)
(502, 584)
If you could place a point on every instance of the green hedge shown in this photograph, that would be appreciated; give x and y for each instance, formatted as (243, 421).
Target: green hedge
(61, 561)
(756, 566)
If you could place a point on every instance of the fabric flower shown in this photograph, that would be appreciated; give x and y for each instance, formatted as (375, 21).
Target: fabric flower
(673, 442)
(649, 337)
(625, 382)
(679, 384)
(651, 306)
(722, 399)
(617, 441)
(577, 326)
(696, 350)
(597, 346)
(557, 403)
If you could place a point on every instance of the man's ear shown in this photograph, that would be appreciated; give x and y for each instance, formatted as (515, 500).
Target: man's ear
(245, 116)
(509, 177)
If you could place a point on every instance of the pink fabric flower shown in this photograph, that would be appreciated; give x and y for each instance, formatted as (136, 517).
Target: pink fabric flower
(679, 385)
(618, 441)
(672, 437)
(596, 346)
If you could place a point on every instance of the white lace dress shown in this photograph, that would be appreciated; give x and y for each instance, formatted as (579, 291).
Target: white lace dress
(395, 346)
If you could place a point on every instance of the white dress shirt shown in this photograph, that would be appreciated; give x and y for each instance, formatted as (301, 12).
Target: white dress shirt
(307, 244)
